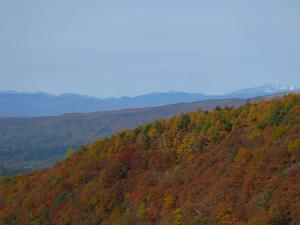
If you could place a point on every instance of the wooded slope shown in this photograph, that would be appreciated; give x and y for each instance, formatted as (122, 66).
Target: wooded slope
(31, 143)
(229, 166)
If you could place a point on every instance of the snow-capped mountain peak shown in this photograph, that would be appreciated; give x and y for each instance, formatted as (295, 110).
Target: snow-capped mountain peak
(278, 88)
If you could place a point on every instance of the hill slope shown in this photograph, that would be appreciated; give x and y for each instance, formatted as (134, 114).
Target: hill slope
(14, 104)
(230, 166)
(27, 143)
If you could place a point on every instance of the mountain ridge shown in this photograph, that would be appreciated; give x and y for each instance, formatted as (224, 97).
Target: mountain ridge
(18, 104)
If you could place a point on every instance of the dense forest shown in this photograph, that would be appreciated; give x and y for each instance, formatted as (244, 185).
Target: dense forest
(229, 166)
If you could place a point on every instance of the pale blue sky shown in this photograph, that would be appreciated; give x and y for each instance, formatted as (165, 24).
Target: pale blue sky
(130, 47)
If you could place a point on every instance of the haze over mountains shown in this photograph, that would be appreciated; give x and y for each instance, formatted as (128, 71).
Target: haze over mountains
(16, 104)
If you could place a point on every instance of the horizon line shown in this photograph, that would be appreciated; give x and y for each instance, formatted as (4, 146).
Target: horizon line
(278, 87)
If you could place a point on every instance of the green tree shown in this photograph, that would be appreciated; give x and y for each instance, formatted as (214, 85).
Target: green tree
(184, 123)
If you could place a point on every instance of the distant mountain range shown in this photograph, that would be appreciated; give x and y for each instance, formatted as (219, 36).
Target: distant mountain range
(16, 104)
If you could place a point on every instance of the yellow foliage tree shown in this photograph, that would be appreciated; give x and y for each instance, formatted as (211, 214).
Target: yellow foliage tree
(294, 149)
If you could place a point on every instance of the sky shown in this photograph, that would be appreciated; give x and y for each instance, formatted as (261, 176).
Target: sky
(130, 47)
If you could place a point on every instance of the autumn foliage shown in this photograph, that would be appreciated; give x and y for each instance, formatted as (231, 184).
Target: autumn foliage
(229, 166)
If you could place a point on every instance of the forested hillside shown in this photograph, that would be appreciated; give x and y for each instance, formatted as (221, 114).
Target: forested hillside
(229, 166)
(31, 143)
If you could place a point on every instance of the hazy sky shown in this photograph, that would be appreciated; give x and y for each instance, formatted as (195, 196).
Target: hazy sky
(129, 47)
